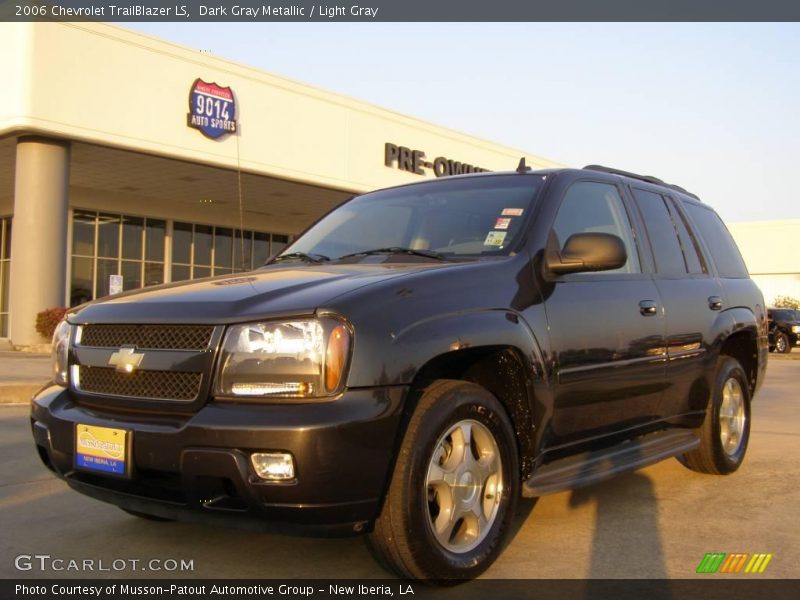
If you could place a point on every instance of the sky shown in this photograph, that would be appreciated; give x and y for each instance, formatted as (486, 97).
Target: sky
(712, 107)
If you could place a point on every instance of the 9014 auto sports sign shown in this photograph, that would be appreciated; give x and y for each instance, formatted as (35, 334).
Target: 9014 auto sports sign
(212, 109)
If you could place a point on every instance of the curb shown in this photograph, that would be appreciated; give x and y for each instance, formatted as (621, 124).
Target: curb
(790, 356)
(18, 393)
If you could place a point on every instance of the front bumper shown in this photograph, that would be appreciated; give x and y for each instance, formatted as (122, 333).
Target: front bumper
(197, 468)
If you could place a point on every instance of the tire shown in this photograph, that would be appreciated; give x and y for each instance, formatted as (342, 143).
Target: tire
(782, 344)
(725, 432)
(433, 478)
(147, 517)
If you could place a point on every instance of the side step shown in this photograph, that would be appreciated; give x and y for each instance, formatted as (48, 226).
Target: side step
(591, 467)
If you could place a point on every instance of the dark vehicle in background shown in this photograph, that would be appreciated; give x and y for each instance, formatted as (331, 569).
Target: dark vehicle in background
(415, 362)
(784, 329)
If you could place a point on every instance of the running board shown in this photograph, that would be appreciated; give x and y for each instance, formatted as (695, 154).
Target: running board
(591, 467)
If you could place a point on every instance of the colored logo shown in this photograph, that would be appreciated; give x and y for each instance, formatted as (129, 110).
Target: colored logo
(89, 444)
(719, 562)
(126, 360)
(212, 109)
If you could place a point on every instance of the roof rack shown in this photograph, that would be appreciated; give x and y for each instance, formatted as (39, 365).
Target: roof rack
(647, 178)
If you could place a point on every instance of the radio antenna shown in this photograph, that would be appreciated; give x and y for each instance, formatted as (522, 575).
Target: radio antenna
(522, 168)
(241, 204)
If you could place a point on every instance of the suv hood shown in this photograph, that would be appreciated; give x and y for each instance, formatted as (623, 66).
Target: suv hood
(279, 290)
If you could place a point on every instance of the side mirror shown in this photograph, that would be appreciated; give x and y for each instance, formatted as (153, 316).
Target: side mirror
(585, 252)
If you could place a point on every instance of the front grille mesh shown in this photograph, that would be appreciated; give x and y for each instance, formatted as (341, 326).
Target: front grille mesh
(161, 385)
(148, 337)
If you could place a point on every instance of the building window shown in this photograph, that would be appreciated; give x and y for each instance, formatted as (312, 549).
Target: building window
(206, 250)
(5, 264)
(105, 244)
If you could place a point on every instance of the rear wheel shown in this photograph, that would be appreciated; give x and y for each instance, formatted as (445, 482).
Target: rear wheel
(454, 488)
(726, 429)
(782, 343)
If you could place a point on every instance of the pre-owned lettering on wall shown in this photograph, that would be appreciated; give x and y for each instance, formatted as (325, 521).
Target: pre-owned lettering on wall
(414, 161)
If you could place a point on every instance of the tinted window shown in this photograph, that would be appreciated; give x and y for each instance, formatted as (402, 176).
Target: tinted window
(661, 230)
(785, 315)
(691, 249)
(719, 241)
(590, 207)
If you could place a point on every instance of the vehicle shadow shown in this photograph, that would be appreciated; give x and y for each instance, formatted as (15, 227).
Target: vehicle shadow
(524, 508)
(626, 541)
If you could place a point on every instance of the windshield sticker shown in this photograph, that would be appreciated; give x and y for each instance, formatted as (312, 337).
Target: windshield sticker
(502, 223)
(512, 212)
(495, 238)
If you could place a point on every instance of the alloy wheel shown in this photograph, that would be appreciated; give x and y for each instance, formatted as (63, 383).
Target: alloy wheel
(464, 484)
(732, 416)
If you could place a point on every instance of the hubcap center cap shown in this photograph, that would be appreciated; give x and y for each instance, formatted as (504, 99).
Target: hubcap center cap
(467, 487)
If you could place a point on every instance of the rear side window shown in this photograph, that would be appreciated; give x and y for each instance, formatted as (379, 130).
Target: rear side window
(719, 241)
(661, 230)
(691, 249)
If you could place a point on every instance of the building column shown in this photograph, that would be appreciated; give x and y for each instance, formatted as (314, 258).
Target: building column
(39, 238)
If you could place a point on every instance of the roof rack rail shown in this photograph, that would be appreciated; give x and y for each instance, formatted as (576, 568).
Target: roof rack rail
(647, 178)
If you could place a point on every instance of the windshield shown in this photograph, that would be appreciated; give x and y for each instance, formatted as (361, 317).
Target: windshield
(468, 217)
(787, 314)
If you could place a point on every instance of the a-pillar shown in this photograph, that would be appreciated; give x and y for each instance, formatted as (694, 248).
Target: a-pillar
(39, 236)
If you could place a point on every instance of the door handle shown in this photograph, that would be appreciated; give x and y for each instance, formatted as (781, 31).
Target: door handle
(715, 303)
(648, 308)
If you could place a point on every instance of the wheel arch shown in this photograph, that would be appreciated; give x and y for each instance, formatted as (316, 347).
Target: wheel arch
(741, 339)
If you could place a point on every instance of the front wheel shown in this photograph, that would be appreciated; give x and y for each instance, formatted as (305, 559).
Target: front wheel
(782, 343)
(454, 488)
(726, 429)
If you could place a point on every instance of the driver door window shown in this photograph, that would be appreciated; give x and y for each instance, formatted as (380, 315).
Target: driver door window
(592, 207)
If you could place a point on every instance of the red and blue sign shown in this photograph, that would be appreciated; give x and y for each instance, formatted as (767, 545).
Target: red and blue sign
(212, 109)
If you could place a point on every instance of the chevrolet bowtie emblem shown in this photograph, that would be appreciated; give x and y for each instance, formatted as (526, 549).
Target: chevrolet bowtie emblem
(126, 360)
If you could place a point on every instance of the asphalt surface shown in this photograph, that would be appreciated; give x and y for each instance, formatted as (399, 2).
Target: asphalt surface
(22, 374)
(657, 522)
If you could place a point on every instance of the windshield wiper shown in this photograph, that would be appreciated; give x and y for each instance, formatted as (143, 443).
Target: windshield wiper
(311, 258)
(397, 250)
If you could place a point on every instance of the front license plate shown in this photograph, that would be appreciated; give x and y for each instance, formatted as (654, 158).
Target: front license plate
(102, 449)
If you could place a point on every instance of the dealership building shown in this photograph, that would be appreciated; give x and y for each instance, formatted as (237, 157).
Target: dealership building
(127, 161)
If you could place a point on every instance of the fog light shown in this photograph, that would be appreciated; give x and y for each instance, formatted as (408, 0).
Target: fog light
(276, 466)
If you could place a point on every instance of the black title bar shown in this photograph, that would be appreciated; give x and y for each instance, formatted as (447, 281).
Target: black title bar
(709, 588)
(400, 10)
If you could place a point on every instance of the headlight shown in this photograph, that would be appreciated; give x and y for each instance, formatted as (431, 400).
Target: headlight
(795, 328)
(60, 352)
(284, 359)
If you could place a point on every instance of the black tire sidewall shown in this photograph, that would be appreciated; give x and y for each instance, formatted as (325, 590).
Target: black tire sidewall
(786, 347)
(729, 463)
(463, 402)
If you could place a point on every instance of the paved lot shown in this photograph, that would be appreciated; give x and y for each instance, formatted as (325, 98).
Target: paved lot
(22, 374)
(658, 522)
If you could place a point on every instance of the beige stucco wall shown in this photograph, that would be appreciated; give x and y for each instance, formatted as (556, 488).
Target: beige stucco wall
(770, 250)
(110, 86)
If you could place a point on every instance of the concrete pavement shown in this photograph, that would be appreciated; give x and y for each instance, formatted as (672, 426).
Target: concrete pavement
(21, 375)
(657, 522)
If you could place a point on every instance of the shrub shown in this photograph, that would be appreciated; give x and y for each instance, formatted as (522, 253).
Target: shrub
(47, 320)
(786, 302)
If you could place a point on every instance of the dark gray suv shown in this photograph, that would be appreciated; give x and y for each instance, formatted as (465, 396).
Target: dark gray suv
(416, 361)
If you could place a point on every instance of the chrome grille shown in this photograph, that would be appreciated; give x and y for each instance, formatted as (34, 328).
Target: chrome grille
(148, 337)
(160, 385)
